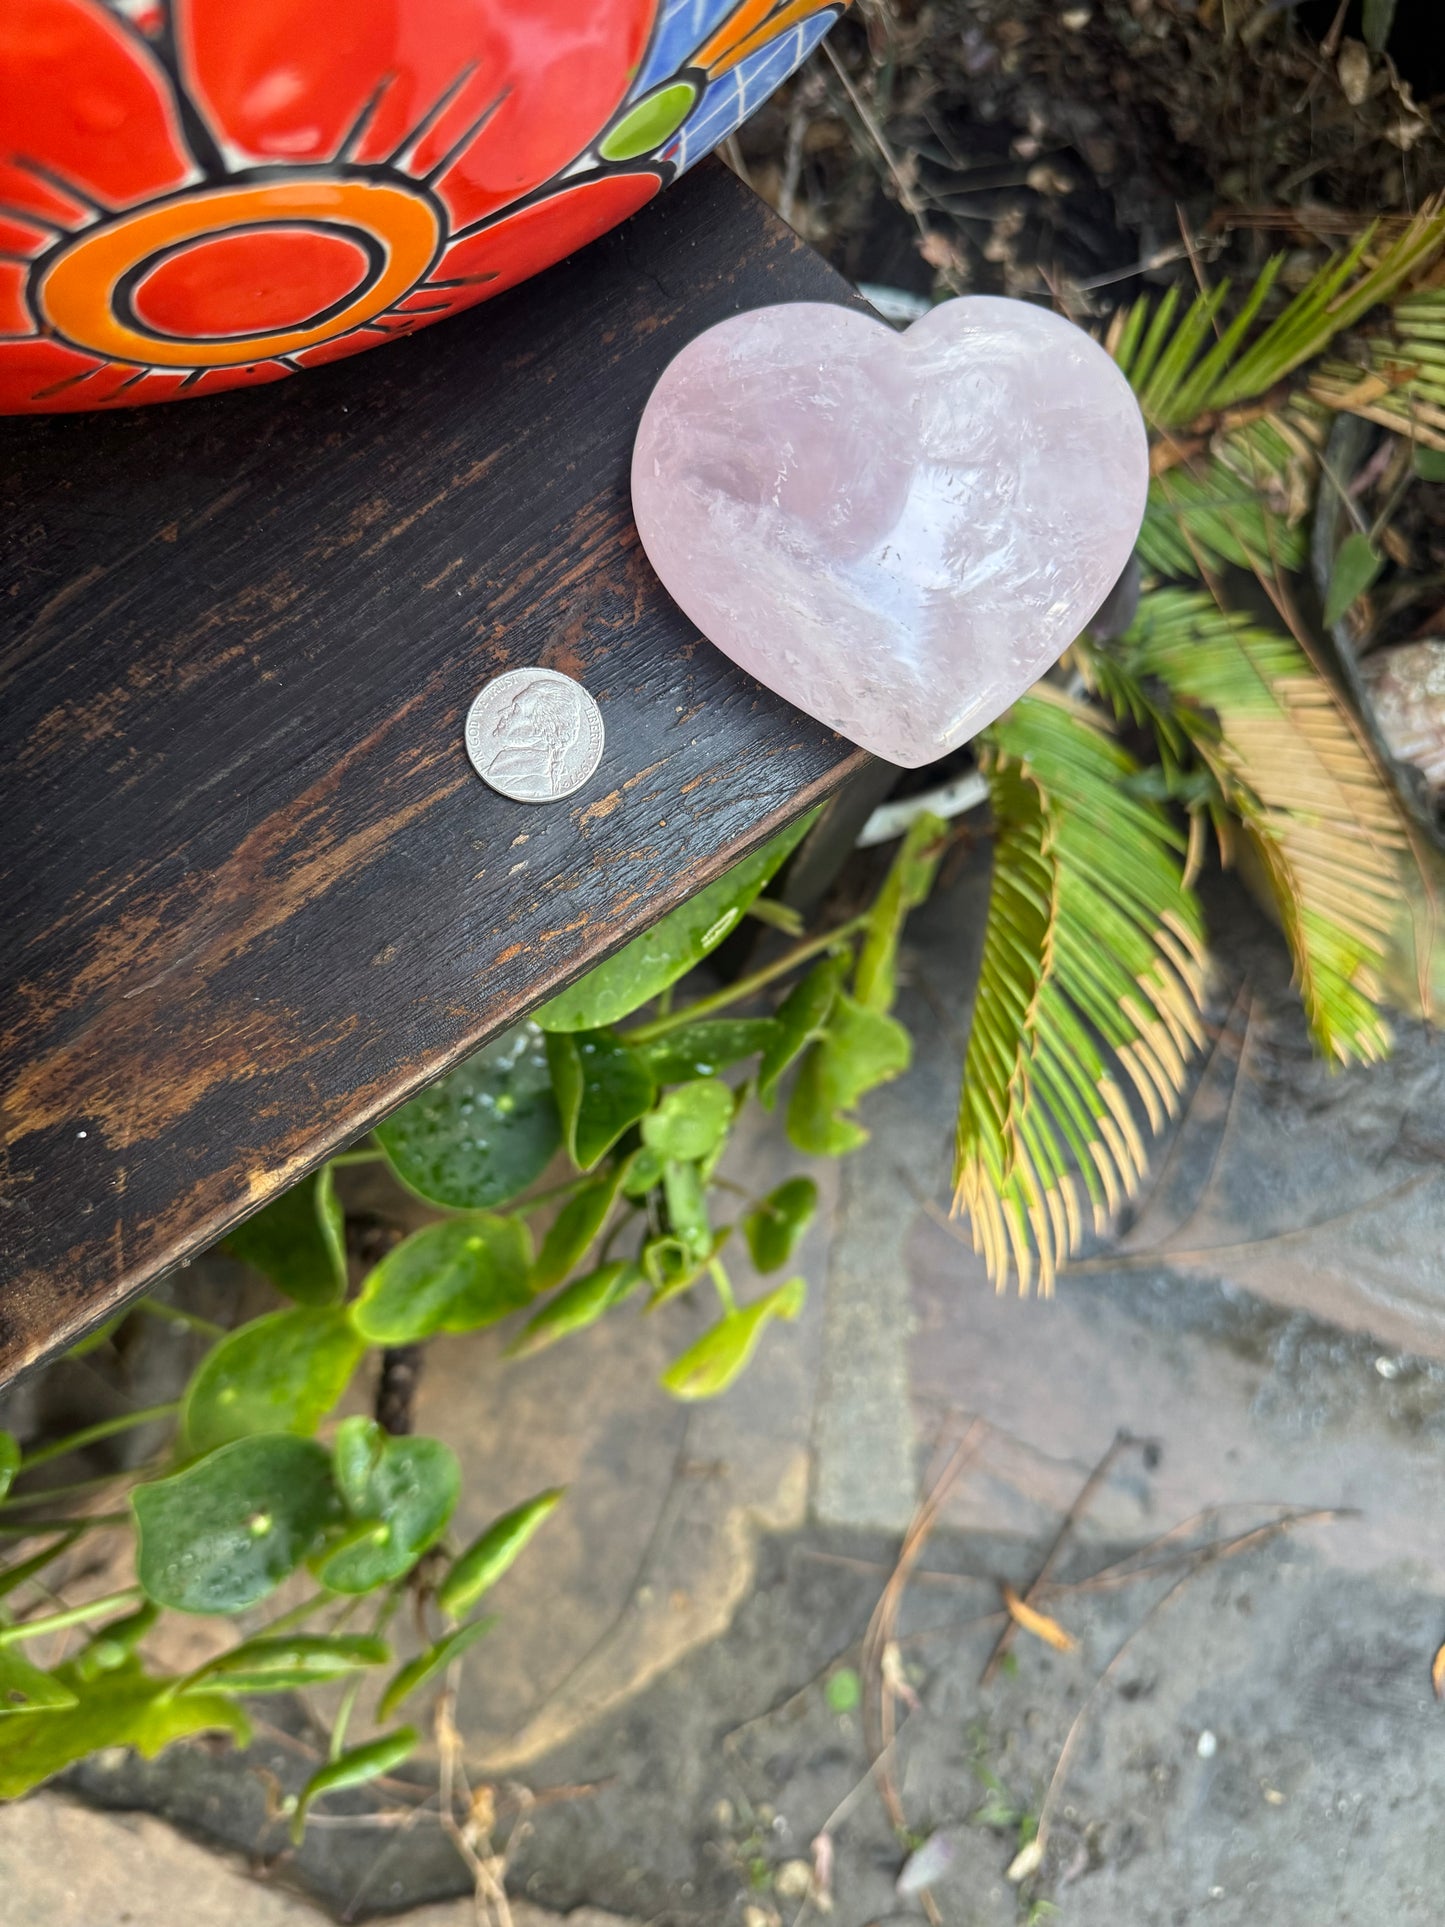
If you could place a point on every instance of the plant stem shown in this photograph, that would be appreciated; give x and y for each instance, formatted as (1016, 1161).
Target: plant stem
(297, 1615)
(745, 986)
(343, 1719)
(20, 1501)
(33, 1528)
(173, 1315)
(71, 1616)
(92, 1434)
(551, 1195)
(724, 1285)
(344, 1158)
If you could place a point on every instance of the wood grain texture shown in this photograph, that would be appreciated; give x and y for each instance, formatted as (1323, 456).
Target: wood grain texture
(253, 895)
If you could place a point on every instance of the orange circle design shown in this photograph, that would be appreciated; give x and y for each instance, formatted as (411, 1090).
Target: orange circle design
(76, 293)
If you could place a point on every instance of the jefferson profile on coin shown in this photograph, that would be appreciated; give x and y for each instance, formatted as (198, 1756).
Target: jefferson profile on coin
(534, 735)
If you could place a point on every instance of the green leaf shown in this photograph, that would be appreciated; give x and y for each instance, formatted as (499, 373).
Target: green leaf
(691, 1120)
(844, 1690)
(720, 1355)
(1357, 564)
(573, 1230)
(115, 1644)
(280, 1373)
(298, 1241)
(430, 1664)
(1291, 768)
(482, 1133)
(25, 1689)
(906, 887)
(581, 1303)
(860, 1049)
(224, 1532)
(601, 1088)
(1429, 463)
(702, 1048)
(123, 1708)
(9, 1460)
(800, 1021)
(1379, 17)
(646, 966)
(488, 1557)
(455, 1277)
(778, 1221)
(642, 1172)
(355, 1768)
(15, 1576)
(685, 1194)
(671, 1265)
(281, 1663)
(401, 1492)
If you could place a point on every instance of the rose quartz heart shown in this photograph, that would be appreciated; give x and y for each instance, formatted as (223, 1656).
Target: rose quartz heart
(899, 533)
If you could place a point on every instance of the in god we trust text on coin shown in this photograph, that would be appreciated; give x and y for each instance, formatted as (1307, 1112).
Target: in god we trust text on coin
(534, 735)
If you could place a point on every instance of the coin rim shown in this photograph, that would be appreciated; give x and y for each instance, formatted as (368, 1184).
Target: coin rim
(591, 711)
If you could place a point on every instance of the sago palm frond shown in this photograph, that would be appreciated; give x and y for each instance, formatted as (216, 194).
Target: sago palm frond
(1092, 979)
(1291, 769)
(1190, 364)
(1240, 495)
(1234, 461)
(1403, 385)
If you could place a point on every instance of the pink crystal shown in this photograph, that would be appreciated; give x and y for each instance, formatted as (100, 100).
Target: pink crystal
(899, 533)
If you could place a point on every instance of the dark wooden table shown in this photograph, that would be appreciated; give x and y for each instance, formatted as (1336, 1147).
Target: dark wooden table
(251, 894)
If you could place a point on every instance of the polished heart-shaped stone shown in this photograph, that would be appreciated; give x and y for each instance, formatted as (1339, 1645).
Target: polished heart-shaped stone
(897, 532)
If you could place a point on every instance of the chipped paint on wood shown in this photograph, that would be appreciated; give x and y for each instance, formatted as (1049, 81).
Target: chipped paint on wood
(247, 787)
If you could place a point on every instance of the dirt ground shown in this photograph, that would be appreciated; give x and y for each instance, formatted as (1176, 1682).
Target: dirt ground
(1032, 146)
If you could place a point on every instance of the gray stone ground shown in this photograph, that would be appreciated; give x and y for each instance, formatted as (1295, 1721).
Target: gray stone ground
(1259, 1744)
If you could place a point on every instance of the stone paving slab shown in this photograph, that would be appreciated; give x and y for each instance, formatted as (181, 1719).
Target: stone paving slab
(1267, 1748)
(63, 1863)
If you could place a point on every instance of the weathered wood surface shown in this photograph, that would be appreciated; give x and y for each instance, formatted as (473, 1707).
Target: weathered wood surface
(253, 895)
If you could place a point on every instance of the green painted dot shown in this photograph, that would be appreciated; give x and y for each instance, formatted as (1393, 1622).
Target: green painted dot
(647, 125)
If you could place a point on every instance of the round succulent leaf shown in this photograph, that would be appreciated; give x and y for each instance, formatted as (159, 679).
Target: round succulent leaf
(776, 1223)
(800, 1020)
(482, 1133)
(401, 1509)
(575, 1228)
(455, 1276)
(280, 1373)
(705, 1047)
(602, 1089)
(222, 1533)
(298, 1241)
(644, 968)
(721, 1354)
(690, 1120)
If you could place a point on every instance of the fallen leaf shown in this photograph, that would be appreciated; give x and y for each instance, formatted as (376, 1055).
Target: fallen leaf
(1353, 69)
(1037, 1623)
(1437, 1673)
(1025, 1862)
